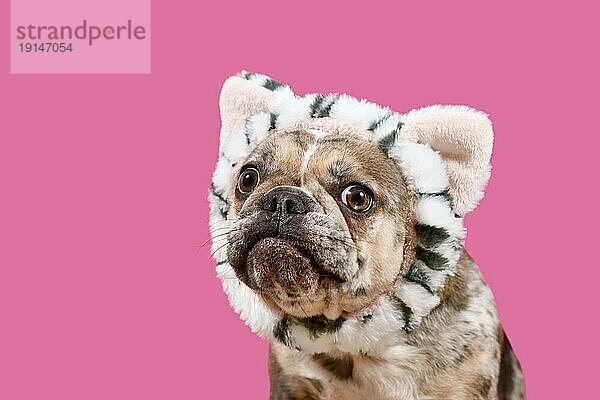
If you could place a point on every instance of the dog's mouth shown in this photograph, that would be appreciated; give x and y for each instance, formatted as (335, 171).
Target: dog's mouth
(281, 268)
(298, 263)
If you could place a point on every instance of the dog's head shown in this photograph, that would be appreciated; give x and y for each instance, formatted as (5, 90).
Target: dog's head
(318, 223)
(326, 209)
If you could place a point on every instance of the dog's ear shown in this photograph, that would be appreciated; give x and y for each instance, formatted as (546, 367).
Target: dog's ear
(242, 97)
(464, 138)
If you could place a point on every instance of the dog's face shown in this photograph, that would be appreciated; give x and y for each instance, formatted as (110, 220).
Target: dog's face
(318, 223)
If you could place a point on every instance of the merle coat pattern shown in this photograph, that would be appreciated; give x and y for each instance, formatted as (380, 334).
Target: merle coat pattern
(383, 303)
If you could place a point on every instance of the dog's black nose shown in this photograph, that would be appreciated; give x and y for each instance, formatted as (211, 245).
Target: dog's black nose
(288, 200)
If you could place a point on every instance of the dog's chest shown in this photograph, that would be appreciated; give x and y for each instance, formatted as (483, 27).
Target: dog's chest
(381, 378)
(387, 376)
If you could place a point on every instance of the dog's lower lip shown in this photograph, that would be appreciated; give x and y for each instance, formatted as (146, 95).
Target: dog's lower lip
(277, 246)
(283, 244)
(322, 272)
(277, 254)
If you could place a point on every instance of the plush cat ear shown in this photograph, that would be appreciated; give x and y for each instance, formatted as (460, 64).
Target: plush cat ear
(243, 96)
(464, 138)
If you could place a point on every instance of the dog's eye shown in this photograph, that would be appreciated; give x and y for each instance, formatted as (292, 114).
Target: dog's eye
(358, 198)
(248, 180)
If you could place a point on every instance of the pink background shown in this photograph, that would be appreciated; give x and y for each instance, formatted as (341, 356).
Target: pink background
(105, 290)
(107, 56)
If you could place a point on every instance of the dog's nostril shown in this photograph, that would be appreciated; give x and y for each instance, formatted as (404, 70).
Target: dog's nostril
(273, 204)
(287, 206)
(294, 206)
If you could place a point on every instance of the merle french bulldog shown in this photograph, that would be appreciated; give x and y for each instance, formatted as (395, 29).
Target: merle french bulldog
(337, 229)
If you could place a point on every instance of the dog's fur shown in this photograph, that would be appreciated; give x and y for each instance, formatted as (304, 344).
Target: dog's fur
(381, 304)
